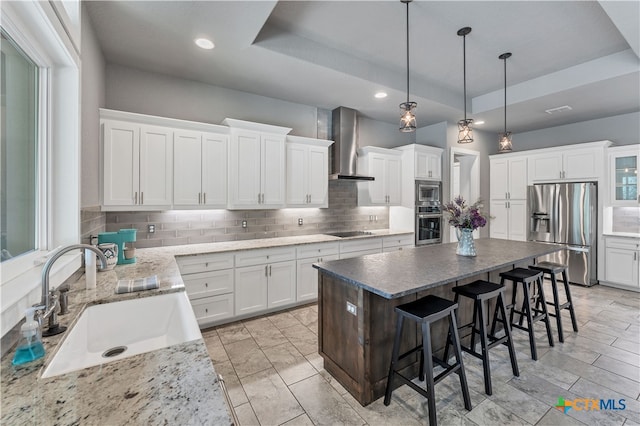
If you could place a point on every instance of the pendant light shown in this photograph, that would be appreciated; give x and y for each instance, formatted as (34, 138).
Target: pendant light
(407, 109)
(465, 132)
(504, 139)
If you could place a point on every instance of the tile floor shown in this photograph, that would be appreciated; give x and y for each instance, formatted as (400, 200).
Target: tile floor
(275, 376)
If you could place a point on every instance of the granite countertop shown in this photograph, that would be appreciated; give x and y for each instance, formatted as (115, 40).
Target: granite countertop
(174, 385)
(396, 274)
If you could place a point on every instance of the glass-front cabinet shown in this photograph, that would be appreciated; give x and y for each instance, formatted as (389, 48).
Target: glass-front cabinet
(623, 163)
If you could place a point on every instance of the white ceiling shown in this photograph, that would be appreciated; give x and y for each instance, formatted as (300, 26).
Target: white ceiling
(584, 54)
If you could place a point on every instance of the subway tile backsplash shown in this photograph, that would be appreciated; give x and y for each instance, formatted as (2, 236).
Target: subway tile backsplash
(626, 219)
(177, 227)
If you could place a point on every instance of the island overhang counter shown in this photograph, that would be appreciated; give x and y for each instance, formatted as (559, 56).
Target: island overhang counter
(357, 297)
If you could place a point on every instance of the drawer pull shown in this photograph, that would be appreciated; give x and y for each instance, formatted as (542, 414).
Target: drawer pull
(206, 310)
(206, 284)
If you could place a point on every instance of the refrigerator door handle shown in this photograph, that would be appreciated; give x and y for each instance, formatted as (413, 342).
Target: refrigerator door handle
(579, 249)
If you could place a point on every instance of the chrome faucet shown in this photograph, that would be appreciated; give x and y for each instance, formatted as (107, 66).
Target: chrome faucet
(49, 300)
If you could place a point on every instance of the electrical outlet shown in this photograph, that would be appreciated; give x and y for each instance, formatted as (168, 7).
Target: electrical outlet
(244, 223)
(151, 229)
(300, 221)
(351, 308)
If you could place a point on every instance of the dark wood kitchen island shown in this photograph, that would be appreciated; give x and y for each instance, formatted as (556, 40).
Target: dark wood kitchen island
(357, 296)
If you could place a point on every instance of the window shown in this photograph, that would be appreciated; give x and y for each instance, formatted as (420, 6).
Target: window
(19, 151)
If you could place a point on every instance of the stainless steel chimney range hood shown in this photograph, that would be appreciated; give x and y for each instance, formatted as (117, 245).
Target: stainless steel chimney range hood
(344, 149)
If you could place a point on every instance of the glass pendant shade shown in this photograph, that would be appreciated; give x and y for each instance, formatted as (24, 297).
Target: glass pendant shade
(504, 142)
(408, 116)
(465, 132)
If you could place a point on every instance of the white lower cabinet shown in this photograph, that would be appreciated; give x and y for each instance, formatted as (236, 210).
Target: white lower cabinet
(622, 262)
(268, 281)
(307, 275)
(224, 287)
(209, 283)
(397, 243)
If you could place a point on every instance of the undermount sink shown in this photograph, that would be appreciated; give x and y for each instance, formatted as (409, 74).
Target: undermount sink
(347, 234)
(117, 330)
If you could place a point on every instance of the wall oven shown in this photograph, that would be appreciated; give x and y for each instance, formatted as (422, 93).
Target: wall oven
(428, 212)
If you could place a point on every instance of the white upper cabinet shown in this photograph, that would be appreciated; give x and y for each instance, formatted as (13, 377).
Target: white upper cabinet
(508, 177)
(307, 172)
(428, 165)
(385, 166)
(584, 161)
(137, 165)
(256, 165)
(200, 169)
(623, 175)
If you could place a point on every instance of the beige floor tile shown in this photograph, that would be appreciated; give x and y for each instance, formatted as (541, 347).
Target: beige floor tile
(247, 357)
(246, 416)
(302, 420)
(302, 338)
(234, 388)
(265, 333)
(333, 382)
(283, 320)
(215, 347)
(323, 404)
(377, 413)
(305, 315)
(270, 398)
(289, 363)
(490, 413)
(556, 417)
(233, 333)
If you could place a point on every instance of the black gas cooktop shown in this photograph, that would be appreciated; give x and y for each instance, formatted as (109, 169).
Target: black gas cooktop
(346, 234)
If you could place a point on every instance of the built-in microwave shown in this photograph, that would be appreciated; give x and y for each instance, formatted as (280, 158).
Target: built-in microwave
(428, 194)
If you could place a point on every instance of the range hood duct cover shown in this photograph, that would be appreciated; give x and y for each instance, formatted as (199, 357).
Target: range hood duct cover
(345, 146)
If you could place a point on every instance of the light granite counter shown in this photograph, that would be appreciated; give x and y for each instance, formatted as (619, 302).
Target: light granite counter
(174, 385)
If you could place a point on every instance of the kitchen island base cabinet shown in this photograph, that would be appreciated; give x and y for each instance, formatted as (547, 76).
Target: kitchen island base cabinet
(357, 300)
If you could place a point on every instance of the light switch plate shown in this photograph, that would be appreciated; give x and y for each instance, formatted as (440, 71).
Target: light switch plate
(351, 308)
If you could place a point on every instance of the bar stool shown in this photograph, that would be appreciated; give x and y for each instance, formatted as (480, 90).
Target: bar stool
(480, 292)
(552, 269)
(426, 311)
(526, 277)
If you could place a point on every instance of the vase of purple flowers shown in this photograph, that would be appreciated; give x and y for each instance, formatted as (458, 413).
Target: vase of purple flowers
(465, 218)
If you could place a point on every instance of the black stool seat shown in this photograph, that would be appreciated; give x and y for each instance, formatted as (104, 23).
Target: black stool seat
(480, 292)
(532, 312)
(426, 311)
(520, 274)
(479, 289)
(549, 267)
(552, 269)
(426, 307)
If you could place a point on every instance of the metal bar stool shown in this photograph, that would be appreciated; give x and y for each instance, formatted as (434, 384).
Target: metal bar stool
(552, 269)
(426, 311)
(526, 277)
(480, 292)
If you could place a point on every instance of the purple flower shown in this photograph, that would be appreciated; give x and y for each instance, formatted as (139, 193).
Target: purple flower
(465, 217)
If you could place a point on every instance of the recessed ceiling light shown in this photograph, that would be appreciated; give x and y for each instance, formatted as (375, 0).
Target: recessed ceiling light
(204, 43)
(380, 95)
(479, 122)
(558, 109)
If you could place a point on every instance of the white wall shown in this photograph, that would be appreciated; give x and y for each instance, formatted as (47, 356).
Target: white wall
(156, 94)
(620, 129)
(93, 97)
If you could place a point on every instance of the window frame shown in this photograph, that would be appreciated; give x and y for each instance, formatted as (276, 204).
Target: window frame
(36, 28)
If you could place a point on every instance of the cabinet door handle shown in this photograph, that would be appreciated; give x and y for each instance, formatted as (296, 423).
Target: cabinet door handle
(206, 285)
(505, 204)
(635, 256)
(141, 197)
(506, 195)
(266, 271)
(269, 270)
(199, 198)
(204, 198)
(258, 198)
(508, 204)
(135, 198)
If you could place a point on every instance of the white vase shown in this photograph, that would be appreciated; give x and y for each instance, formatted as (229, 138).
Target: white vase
(466, 245)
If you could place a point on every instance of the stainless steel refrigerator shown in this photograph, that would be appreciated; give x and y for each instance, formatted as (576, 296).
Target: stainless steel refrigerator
(566, 213)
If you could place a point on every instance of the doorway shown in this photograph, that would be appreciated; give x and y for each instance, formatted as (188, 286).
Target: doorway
(464, 180)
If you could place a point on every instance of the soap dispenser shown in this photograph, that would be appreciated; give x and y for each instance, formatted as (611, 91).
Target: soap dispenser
(30, 346)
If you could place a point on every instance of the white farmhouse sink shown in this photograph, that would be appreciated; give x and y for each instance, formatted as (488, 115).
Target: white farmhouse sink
(137, 326)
